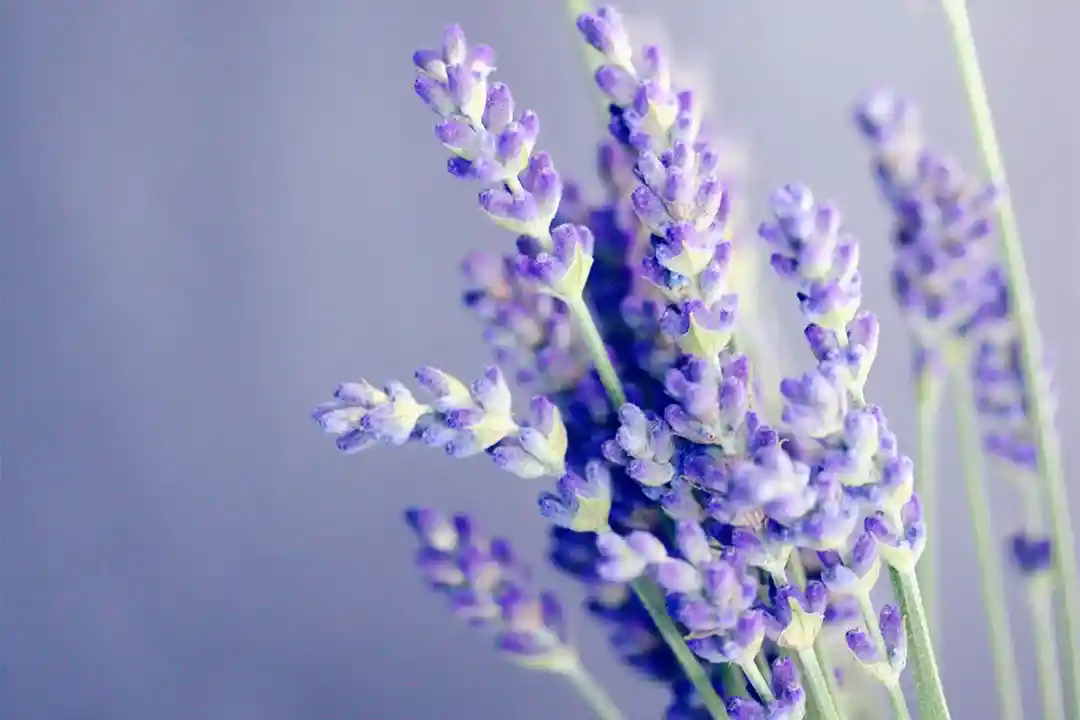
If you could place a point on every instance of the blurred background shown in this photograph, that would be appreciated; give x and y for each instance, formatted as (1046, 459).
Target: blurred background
(212, 211)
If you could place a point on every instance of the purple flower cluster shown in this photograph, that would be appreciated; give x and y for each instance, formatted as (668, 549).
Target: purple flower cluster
(488, 587)
(948, 280)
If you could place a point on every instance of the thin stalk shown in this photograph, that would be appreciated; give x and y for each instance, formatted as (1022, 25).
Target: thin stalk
(731, 679)
(1041, 603)
(991, 574)
(757, 679)
(815, 682)
(897, 701)
(927, 406)
(649, 595)
(1023, 305)
(928, 688)
(594, 343)
(594, 694)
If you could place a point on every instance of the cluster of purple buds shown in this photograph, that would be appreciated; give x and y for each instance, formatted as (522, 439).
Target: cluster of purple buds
(948, 280)
(944, 270)
(788, 701)
(494, 145)
(466, 420)
(680, 199)
(633, 635)
(528, 331)
(490, 588)
(854, 457)
(712, 592)
(886, 657)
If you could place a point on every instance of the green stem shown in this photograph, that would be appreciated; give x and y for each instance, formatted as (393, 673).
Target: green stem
(991, 573)
(897, 701)
(594, 343)
(731, 679)
(651, 598)
(870, 619)
(817, 685)
(602, 704)
(928, 688)
(927, 405)
(757, 679)
(1041, 603)
(1023, 304)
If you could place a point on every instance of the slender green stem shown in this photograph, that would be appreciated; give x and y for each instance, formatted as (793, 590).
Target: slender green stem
(927, 406)
(928, 688)
(594, 694)
(1023, 304)
(651, 598)
(1041, 603)
(757, 679)
(594, 342)
(991, 574)
(814, 680)
(731, 678)
(897, 701)
(896, 693)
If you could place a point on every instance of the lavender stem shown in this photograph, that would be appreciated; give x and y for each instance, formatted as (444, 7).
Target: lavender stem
(1021, 297)
(990, 570)
(1041, 604)
(594, 694)
(817, 684)
(757, 679)
(594, 342)
(654, 605)
(928, 688)
(927, 407)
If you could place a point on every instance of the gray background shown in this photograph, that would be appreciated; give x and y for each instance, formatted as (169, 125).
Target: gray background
(211, 212)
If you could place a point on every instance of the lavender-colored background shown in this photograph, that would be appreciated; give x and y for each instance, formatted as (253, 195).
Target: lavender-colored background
(211, 212)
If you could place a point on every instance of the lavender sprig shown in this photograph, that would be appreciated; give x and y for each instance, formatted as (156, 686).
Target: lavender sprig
(828, 406)
(679, 198)
(944, 214)
(488, 587)
(493, 144)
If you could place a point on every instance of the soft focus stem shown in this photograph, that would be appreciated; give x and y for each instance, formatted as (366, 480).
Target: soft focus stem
(928, 688)
(1023, 306)
(991, 573)
(653, 602)
(757, 679)
(897, 702)
(594, 343)
(928, 395)
(594, 694)
(1041, 602)
(818, 686)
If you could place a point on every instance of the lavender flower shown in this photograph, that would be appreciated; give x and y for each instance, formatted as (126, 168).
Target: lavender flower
(789, 701)
(680, 199)
(487, 586)
(888, 658)
(529, 332)
(360, 415)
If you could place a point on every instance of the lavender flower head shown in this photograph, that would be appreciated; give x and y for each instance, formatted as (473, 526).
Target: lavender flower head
(488, 587)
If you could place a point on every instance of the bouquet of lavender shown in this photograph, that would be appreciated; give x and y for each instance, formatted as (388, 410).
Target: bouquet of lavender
(730, 525)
